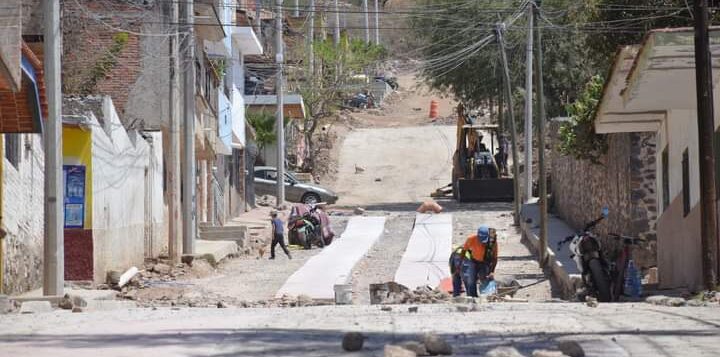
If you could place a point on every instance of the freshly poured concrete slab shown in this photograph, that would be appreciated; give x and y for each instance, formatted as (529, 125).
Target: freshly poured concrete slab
(425, 261)
(333, 265)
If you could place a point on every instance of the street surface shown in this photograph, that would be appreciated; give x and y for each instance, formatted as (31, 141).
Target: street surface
(638, 329)
(388, 166)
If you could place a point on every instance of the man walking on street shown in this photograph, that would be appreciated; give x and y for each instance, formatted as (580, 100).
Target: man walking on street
(277, 236)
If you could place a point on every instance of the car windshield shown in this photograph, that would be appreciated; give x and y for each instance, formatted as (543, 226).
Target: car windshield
(289, 177)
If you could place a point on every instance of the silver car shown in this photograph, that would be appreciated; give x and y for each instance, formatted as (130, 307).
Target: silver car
(295, 191)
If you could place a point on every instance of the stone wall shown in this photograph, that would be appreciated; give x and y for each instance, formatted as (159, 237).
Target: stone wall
(22, 216)
(624, 182)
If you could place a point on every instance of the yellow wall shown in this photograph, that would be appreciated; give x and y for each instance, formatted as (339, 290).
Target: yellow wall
(77, 150)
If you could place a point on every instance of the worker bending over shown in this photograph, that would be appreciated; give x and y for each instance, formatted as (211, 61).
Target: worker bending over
(475, 260)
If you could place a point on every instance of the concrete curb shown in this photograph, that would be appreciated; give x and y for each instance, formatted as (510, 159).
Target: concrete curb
(215, 251)
(565, 282)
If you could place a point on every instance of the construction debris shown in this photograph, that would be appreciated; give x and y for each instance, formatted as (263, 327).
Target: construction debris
(127, 276)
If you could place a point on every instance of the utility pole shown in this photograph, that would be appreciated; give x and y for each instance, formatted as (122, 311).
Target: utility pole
(501, 101)
(188, 172)
(377, 23)
(542, 179)
(54, 246)
(367, 21)
(336, 36)
(706, 129)
(310, 41)
(258, 21)
(513, 130)
(173, 158)
(529, 105)
(280, 124)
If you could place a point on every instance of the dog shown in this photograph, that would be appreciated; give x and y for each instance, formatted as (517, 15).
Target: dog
(260, 249)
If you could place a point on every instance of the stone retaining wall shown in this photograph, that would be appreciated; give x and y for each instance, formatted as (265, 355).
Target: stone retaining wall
(624, 182)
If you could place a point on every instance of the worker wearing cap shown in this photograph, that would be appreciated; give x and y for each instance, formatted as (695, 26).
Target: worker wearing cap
(480, 253)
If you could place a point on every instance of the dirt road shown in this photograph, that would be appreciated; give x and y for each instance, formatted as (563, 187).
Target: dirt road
(394, 165)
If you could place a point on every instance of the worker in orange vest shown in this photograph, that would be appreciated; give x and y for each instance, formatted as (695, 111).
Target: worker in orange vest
(479, 259)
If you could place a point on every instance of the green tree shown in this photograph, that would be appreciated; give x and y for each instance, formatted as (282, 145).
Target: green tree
(615, 23)
(324, 92)
(577, 136)
(473, 76)
(264, 125)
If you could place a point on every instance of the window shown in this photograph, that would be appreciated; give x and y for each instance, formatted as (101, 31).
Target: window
(665, 179)
(686, 182)
(260, 174)
(12, 149)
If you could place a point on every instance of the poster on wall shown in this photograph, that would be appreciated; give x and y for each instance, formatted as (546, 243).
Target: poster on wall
(74, 179)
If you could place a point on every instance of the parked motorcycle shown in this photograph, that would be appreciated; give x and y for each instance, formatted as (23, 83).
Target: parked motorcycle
(591, 262)
(306, 229)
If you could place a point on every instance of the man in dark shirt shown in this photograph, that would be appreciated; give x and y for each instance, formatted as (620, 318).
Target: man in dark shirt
(277, 236)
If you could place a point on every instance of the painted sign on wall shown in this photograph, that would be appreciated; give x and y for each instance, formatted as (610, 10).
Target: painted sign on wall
(74, 179)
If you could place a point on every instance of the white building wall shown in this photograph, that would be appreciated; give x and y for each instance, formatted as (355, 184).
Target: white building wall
(682, 134)
(22, 210)
(119, 166)
(156, 232)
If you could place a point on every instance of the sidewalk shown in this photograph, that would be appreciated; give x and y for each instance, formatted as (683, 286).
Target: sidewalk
(563, 269)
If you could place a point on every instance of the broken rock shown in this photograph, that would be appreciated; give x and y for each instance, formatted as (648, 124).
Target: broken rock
(571, 348)
(353, 341)
(112, 277)
(547, 353)
(436, 345)
(504, 351)
(162, 269)
(397, 351)
(66, 303)
(416, 347)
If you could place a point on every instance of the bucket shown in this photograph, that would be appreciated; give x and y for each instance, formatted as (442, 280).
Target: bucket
(343, 294)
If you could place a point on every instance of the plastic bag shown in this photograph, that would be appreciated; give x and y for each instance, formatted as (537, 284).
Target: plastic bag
(488, 287)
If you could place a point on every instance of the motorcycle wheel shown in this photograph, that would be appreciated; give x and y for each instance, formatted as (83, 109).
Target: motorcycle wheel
(319, 239)
(600, 280)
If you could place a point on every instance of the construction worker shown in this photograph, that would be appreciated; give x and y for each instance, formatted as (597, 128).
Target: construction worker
(480, 253)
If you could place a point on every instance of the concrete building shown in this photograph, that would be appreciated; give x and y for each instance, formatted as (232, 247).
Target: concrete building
(657, 95)
(220, 108)
(22, 109)
(114, 212)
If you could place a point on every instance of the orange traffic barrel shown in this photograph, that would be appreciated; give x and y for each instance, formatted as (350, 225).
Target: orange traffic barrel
(434, 109)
